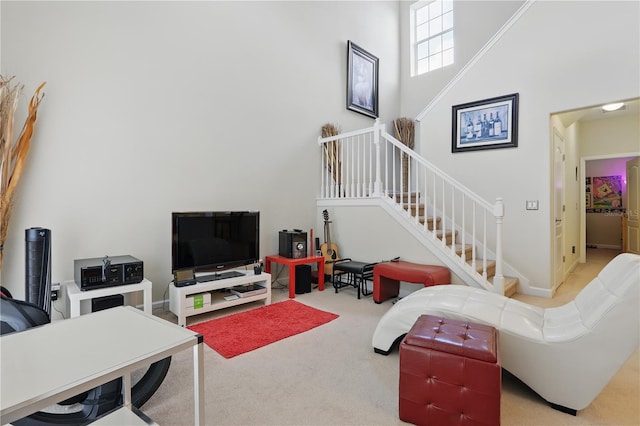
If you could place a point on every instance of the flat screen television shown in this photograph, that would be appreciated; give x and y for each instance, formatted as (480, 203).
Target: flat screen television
(214, 241)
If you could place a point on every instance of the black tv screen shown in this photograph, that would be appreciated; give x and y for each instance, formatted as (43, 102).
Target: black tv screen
(214, 241)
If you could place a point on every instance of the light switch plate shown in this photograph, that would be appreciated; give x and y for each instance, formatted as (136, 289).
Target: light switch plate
(532, 204)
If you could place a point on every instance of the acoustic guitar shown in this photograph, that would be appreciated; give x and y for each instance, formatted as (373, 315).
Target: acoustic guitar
(328, 249)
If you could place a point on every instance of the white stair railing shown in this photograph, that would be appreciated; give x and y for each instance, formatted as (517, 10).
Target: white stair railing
(368, 163)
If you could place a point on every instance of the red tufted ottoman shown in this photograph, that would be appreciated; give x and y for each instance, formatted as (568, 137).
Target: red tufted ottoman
(387, 277)
(450, 373)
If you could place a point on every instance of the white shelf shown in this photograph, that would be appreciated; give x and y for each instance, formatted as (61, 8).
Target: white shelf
(75, 296)
(178, 295)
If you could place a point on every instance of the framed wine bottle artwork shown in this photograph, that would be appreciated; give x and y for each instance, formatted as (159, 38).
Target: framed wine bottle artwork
(487, 124)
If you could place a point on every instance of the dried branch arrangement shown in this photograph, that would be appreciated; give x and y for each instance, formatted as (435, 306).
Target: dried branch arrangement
(332, 151)
(404, 132)
(13, 153)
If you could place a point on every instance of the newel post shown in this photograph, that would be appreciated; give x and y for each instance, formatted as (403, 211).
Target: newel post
(498, 279)
(377, 128)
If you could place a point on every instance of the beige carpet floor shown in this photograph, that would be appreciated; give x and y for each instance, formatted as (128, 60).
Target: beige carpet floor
(331, 376)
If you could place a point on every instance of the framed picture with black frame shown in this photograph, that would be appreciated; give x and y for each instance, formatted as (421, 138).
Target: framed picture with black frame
(487, 124)
(362, 81)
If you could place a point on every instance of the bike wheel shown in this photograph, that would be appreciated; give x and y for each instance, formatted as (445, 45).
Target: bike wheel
(101, 400)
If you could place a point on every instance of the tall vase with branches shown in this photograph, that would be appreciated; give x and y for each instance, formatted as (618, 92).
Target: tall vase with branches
(13, 153)
(404, 132)
(333, 152)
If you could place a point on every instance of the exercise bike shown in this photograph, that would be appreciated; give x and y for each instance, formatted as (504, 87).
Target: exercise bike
(17, 316)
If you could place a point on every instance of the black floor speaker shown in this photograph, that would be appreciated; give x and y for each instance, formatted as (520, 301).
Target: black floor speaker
(38, 267)
(106, 302)
(303, 279)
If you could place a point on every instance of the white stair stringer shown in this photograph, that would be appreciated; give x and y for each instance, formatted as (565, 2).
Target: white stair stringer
(445, 253)
(434, 245)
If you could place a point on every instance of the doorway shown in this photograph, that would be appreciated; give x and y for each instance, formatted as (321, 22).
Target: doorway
(603, 227)
(589, 135)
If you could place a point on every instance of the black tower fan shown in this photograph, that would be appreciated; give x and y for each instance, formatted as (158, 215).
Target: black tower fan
(38, 268)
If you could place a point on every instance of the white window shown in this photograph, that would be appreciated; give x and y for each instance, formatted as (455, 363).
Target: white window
(431, 35)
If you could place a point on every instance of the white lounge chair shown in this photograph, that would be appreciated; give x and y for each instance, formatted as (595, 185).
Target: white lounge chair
(566, 354)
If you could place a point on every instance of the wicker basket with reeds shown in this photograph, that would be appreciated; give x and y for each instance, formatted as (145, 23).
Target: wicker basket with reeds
(404, 132)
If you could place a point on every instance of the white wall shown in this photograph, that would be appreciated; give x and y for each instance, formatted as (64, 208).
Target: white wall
(556, 63)
(154, 107)
(217, 105)
(604, 230)
(475, 22)
(610, 136)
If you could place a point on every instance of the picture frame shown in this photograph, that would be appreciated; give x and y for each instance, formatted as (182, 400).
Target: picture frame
(487, 124)
(362, 80)
(606, 192)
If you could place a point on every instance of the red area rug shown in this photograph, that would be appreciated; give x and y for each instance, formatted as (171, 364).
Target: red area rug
(245, 331)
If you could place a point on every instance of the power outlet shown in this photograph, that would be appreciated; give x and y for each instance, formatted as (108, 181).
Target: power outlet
(532, 204)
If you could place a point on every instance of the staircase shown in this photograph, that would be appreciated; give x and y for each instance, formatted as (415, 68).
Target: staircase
(461, 229)
(433, 224)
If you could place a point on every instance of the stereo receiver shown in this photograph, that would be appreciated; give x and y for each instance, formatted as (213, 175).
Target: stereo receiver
(107, 271)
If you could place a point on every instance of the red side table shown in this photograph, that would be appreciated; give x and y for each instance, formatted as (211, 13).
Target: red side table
(292, 263)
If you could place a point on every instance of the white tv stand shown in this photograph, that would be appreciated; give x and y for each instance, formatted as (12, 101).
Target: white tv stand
(178, 295)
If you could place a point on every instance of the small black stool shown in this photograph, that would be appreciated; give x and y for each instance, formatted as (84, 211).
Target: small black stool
(350, 273)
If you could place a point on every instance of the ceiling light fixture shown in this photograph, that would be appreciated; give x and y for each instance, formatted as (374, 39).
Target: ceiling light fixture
(613, 107)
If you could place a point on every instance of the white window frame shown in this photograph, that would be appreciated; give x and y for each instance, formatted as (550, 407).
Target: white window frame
(432, 43)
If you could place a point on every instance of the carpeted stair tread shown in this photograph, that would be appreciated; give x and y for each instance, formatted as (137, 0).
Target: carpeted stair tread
(430, 222)
(491, 266)
(448, 235)
(414, 207)
(467, 249)
(404, 196)
(410, 203)
(510, 285)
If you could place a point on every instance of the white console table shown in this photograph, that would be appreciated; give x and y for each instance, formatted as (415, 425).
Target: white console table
(75, 296)
(45, 365)
(178, 295)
